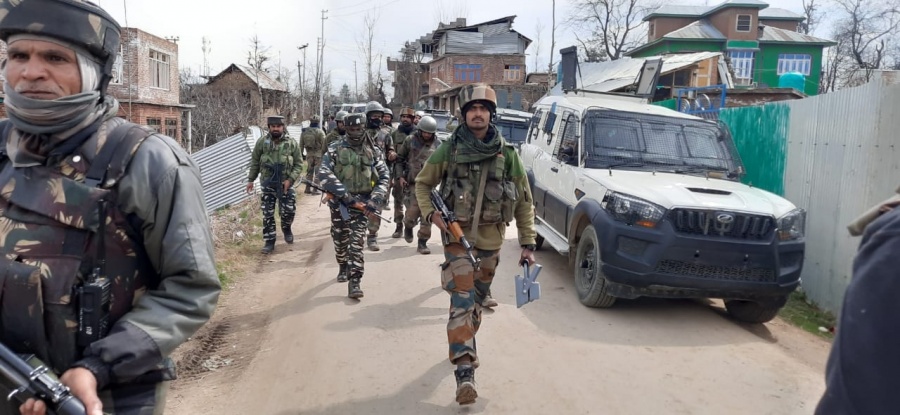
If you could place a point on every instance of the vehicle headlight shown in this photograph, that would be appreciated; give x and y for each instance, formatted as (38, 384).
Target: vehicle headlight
(792, 226)
(632, 210)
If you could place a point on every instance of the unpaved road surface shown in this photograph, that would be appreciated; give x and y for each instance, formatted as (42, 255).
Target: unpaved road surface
(287, 340)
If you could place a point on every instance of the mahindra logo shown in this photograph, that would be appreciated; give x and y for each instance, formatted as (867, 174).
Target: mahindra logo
(724, 222)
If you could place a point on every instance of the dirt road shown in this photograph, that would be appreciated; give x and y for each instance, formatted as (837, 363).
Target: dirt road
(286, 340)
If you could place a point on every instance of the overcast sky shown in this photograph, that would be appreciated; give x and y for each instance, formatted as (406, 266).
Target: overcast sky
(283, 25)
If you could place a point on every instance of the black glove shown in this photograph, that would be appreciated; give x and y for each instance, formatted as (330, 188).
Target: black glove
(374, 205)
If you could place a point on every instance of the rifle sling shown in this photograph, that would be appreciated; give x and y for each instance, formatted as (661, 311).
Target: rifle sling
(479, 198)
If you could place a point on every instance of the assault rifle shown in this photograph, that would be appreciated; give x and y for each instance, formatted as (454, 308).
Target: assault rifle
(276, 180)
(345, 213)
(449, 218)
(31, 379)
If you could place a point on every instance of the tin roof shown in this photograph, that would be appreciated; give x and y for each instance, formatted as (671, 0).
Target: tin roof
(769, 34)
(765, 12)
(262, 78)
(701, 29)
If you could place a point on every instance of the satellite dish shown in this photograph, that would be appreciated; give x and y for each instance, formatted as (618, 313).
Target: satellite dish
(646, 84)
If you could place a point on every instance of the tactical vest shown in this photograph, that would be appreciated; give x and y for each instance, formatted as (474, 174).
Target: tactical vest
(459, 189)
(353, 166)
(49, 219)
(419, 152)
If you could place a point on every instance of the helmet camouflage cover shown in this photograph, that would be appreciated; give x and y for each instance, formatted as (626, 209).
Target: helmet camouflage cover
(472, 93)
(407, 111)
(78, 22)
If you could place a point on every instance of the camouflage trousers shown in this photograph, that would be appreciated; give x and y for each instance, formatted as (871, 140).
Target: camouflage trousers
(287, 206)
(135, 399)
(349, 238)
(414, 214)
(312, 164)
(467, 288)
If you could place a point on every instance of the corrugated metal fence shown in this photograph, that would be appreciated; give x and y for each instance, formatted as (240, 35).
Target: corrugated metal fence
(838, 154)
(223, 169)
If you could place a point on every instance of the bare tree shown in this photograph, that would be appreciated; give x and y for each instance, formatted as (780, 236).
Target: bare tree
(258, 56)
(366, 43)
(613, 26)
(536, 45)
(867, 34)
(448, 11)
(812, 14)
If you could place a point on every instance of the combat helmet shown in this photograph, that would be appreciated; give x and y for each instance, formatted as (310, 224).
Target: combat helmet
(373, 106)
(479, 92)
(340, 116)
(80, 23)
(428, 124)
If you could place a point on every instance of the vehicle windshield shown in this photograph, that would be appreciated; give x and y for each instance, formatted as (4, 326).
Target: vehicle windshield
(358, 109)
(513, 132)
(442, 120)
(653, 142)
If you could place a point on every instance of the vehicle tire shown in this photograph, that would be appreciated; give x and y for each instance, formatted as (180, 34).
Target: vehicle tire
(752, 311)
(538, 242)
(590, 283)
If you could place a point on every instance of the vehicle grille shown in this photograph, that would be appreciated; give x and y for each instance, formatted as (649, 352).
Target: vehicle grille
(715, 272)
(722, 224)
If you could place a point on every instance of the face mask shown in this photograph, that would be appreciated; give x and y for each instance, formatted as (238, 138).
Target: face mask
(374, 123)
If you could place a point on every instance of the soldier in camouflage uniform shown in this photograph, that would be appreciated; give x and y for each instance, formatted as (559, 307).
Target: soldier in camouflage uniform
(347, 173)
(398, 136)
(411, 157)
(388, 119)
(277, 160)
(475, 163)
(378, 137)
(338, 131)
(314, 142)
(70, 171)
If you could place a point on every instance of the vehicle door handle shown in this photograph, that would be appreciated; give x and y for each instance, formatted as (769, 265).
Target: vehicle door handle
(554, 169)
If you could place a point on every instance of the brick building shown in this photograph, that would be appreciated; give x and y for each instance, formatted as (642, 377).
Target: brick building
(490, 52)
(146, 82)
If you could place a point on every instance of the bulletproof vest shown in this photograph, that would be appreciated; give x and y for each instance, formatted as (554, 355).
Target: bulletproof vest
(419, 152)
(313, 141)
(459, 188)
(354, 167)
(276, 153)
(49, 219)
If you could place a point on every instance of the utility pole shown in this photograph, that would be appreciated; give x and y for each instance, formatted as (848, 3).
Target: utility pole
(551, 80)
(355, 83)
(301, 69)
(322, 70)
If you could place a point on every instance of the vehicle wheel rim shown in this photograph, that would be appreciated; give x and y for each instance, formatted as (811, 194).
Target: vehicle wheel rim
(588, 269)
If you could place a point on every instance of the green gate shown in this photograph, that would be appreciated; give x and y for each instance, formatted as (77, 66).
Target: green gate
(760, 134)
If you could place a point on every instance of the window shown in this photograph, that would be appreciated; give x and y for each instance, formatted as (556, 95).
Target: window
(652, 29)
(118, 67)
(155, 123)
(426, 49)
(567, 147)
(159, 70)
(794, 62)
(744, 21)
(467, 72)
(742, 63)
(171, 127)
(512, 72)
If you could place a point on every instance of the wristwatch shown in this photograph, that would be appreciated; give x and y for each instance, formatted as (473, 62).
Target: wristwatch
(530, 247)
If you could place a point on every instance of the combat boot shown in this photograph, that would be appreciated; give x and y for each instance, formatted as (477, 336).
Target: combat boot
(407, 234)
(353, 290)
(288, 235)
(465, 385)
(306, 190)
(397, 231)
(342, 273)
(423, 248)
(270, 246)
(489, 301)
(373, 243)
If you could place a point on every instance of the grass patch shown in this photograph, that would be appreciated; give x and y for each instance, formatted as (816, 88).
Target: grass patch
(237, 235)
(801, 312)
